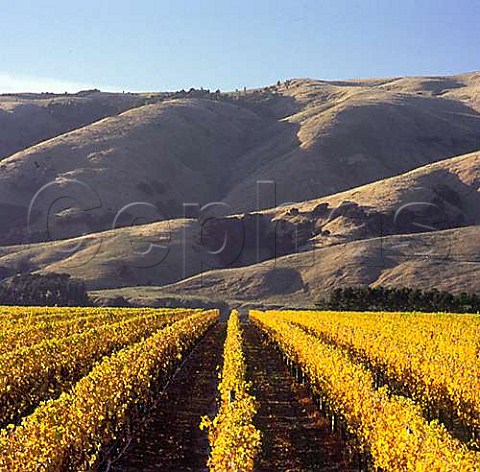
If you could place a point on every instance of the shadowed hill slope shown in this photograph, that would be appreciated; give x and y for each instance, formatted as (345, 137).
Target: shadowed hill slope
(446, 260)
(368, 163)
(356, 137)
(162, 155)
(307, 138)
(28, 119)
(435, 197)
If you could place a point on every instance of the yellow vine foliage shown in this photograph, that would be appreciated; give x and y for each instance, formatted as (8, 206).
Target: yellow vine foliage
(19, 335)
(234, 440)
(39, 372)
(18, 317)
(437, 356)
(68, 433)
(391, 427)
(21, 316)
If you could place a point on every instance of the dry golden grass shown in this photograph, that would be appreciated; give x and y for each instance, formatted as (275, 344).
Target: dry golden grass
(312, 139)
(381, 143)
(448, 260)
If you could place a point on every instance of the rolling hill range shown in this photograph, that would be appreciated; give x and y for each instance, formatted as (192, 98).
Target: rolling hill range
(302, 139)
(293, 189)
(351, 133)
(436, 197)
(163, 154)
(28, 119)
(447, 260)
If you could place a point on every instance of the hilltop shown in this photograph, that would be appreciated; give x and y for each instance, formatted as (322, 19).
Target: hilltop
(134, 194)
(302, 139)
(28, 119)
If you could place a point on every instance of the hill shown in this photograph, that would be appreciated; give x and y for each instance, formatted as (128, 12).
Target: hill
(138, 255)
(28, 119)
(447, 260)
(164, 155)
(302, 139)
(351, 133)
(435, 197)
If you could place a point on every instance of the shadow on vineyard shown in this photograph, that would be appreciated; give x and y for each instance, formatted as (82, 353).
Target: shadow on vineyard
(169, 438)
(296, 436)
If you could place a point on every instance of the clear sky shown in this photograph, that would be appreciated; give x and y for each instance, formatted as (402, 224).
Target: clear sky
(58, 45)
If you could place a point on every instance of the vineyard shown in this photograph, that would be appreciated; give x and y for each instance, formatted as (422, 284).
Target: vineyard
(117, 389)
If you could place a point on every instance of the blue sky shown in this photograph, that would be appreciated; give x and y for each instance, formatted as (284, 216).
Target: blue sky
(54, 45)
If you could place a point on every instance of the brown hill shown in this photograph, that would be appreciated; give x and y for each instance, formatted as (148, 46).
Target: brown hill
(447, 260)
(464, 87)
(437, 196)
(307, 138)
(162, 155)
(28, 119)
(444, 195)
(159, 253)
(347, 135)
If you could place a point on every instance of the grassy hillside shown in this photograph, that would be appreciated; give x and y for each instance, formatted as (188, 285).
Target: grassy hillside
(163, 154)
(368, 167)
(353, 132)
(447, 260)
(433, 197)
(444, 195)
(28, 119)
(307, 138)
(159, 253)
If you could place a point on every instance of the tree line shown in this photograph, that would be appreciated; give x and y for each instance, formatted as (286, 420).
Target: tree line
(398, 299)
(62, 290)
(43, 290)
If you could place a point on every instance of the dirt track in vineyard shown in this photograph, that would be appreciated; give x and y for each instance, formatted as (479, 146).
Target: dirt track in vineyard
(295, 436)
(171, 439)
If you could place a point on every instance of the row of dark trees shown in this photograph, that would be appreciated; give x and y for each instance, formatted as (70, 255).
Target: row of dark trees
(399, 299)
(62, 290)
(43, 290)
